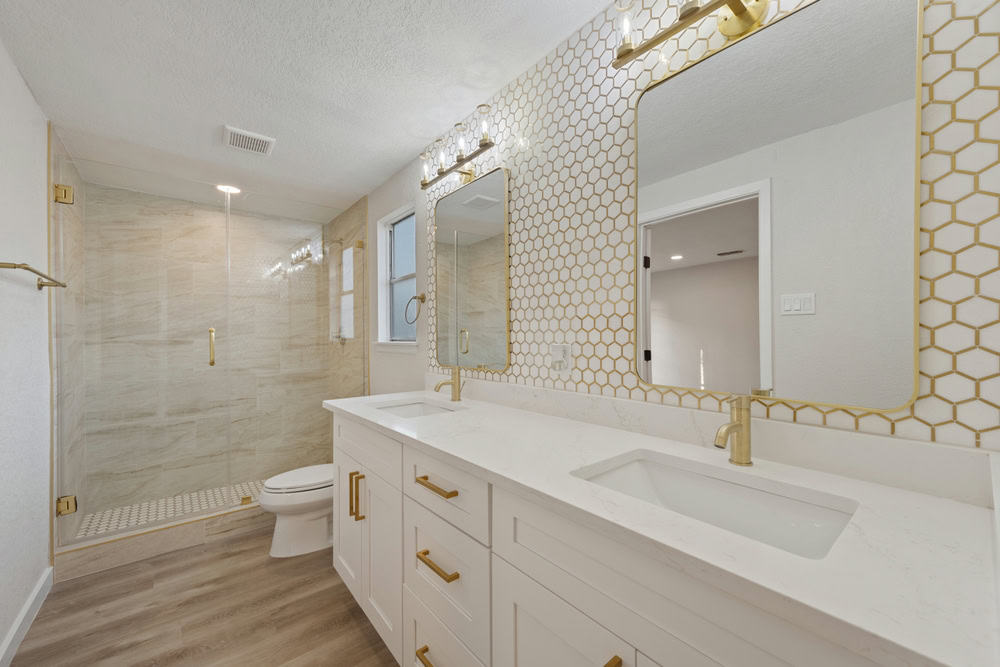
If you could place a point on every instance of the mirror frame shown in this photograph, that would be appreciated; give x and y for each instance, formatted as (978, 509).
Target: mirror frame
(506, 243)
(636, 229)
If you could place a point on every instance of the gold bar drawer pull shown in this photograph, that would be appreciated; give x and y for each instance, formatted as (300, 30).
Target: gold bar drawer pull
(425, 482)
(211, 346)
(424, 557)
(358, 516)
(350, 492)
(422, 656)
(614, 662)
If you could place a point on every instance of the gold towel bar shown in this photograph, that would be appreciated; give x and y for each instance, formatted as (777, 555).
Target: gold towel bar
(48, 281)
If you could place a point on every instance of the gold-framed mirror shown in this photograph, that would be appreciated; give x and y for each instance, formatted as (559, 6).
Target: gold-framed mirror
(472, 274)
(777, 212)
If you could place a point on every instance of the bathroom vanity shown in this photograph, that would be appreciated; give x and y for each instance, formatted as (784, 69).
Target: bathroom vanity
(473, 533)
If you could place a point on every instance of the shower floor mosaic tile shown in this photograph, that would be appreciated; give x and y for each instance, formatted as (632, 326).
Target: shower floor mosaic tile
(166, 509)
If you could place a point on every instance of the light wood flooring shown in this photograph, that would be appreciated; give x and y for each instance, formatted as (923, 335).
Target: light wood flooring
(222, 603)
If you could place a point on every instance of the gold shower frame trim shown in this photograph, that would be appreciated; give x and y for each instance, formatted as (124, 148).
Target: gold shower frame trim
(506, 241)
(768, 401)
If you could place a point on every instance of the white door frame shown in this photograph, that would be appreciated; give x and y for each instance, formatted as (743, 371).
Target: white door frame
(761, 190)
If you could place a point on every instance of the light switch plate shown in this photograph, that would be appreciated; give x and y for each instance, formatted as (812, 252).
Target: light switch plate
(803, 303)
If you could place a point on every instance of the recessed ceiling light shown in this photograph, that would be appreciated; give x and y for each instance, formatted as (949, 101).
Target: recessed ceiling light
(676, 257)
(228, 189)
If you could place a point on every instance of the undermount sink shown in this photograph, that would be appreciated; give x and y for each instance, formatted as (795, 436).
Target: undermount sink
(412, 409)
(793, 518)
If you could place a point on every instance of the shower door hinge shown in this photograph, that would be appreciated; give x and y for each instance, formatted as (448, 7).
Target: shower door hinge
(647, 355)
(360, 245)
(65, 505)
(62, 194)
(646, 262)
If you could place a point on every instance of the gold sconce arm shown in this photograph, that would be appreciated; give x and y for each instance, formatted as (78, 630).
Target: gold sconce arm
(467, 174)
(736, 18)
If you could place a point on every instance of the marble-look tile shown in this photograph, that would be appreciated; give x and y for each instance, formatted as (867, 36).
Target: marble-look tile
(151, 417)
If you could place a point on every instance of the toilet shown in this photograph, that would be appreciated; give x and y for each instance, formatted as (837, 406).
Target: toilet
(302, 502)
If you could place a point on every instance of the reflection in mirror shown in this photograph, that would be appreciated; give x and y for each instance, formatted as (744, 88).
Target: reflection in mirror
(776, 207)
(471, 250)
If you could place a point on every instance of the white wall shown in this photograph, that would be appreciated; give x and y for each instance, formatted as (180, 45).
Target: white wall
(397, 367)
(24, 357)
(842, 227)
(709, 309)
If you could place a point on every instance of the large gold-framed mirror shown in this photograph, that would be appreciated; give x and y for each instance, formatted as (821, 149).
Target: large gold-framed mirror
(472, 274)
(777, 212)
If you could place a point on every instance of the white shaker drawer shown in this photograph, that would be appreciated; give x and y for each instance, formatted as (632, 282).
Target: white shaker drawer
(380, 454)
(450, 573)
(460, 497)
(535, 628)
(426, 641)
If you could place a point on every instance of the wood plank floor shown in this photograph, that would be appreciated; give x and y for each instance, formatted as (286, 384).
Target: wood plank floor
(222, 603)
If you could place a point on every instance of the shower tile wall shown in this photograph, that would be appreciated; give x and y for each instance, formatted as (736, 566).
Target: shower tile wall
(67, 263)
(158, 416)
(348, 356)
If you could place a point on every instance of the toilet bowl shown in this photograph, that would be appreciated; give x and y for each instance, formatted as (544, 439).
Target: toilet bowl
(302, 502)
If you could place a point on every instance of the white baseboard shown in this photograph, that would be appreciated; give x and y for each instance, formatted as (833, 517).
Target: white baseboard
(25, 617)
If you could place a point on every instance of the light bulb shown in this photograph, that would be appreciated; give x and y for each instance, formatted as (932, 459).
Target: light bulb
(460, 130)
(481, 111)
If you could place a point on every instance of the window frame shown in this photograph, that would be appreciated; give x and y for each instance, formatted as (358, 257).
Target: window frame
(386, 278)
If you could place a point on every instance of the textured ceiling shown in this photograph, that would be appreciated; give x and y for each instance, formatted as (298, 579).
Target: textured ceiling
(798, 75)
(352, 90)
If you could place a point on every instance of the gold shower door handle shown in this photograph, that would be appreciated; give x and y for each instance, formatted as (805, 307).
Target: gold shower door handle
(211, 346)
(463, 335)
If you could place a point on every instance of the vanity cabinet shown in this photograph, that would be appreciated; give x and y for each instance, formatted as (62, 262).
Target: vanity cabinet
(452, 570)
(368, 527)
(532, 627)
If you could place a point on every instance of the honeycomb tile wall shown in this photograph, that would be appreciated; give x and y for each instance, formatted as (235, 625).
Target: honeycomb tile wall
(566, 130)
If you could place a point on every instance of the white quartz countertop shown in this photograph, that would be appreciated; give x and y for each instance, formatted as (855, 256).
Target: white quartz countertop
(913, 571)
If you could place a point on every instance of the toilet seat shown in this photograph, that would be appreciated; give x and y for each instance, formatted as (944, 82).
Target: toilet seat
(308, 478)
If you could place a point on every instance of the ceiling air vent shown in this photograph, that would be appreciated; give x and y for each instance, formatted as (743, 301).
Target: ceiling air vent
(480, 202)
(251, 142)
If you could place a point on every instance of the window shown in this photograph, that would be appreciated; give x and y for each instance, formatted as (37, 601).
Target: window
(401, 277)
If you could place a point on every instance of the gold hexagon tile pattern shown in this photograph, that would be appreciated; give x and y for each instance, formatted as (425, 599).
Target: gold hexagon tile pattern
(565, 129)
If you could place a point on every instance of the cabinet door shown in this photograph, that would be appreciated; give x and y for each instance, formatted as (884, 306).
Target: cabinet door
(347, 533)
(534, 628)
(382, 508)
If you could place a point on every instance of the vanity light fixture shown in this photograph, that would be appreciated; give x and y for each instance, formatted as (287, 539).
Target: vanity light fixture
(228, 189)
(735, 18)
(303, 254)
(435, 160)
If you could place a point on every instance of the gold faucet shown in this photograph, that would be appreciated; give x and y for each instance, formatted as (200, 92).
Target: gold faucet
(456, 384)
(739, 429)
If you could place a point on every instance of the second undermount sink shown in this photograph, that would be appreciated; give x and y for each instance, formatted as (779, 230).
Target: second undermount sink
(793, 518)
(410, 409)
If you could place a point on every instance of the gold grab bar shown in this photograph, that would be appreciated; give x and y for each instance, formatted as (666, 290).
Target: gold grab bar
(421, 653)
(350, 492)
(425, 482)
(43, 280)
(463, 335)
(614, 662)
(424, 557)
(211, 346)
(358, 516)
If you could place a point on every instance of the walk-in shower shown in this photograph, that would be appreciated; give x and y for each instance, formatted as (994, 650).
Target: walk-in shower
(147, 430)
